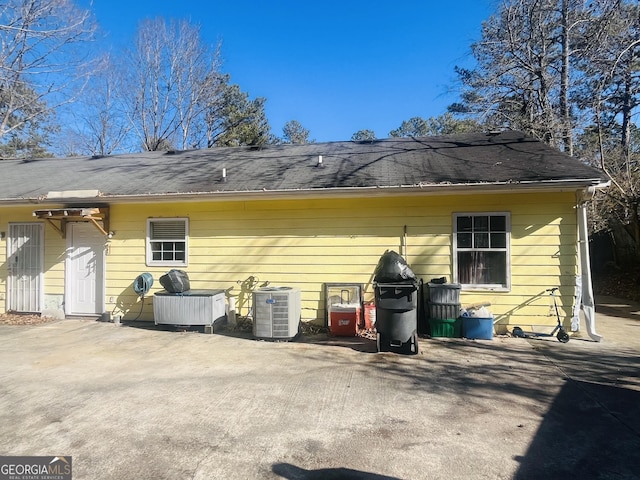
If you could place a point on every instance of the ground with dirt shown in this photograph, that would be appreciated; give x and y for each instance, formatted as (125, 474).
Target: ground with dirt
(23, 319)
(617, 283)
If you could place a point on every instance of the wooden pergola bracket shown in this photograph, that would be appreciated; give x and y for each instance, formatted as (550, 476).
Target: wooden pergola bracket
(60, 229)
(94, 215)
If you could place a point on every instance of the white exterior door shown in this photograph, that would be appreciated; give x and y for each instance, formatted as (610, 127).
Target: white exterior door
(25, 262)
(85, 270)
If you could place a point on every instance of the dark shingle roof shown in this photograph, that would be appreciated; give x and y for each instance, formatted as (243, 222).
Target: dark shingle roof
(468, 159)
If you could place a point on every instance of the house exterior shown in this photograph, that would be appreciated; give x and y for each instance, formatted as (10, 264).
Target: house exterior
(499, 213)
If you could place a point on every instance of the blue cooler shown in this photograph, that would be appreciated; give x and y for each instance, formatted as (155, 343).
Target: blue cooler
(477, 328)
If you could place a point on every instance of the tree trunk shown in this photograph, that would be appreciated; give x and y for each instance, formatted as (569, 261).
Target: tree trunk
(565, 109)
(627, 111)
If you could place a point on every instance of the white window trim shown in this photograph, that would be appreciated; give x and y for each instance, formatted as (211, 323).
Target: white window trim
(483, 287)
(167, 263)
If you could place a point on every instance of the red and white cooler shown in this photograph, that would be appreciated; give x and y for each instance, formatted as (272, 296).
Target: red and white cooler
(344, 319)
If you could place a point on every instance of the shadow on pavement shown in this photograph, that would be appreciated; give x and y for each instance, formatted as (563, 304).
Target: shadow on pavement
(291, 472)
(616, 307)
(589, 407)
(586, 433)
(357, 343)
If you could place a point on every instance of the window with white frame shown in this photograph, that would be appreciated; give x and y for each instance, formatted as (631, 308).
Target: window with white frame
(481, 250)
(167, 241)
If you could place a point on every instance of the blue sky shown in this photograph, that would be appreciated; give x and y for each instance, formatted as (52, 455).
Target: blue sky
(335, 66)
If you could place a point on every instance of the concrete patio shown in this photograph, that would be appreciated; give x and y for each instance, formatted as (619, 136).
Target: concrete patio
(146, 403)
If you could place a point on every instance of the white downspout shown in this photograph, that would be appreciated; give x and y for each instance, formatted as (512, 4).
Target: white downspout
(585, 287)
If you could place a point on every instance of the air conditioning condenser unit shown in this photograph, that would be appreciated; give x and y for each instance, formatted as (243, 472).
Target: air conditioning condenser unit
(276, 313)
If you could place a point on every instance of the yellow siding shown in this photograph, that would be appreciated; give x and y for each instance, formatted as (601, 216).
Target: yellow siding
(305, 243)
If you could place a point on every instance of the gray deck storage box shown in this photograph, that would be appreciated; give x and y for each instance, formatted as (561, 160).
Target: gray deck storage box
(193, 307)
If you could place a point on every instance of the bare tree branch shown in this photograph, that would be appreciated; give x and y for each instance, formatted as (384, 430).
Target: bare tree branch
(43, 59)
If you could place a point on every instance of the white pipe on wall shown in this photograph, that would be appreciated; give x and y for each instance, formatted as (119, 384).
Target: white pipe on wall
(587, 301)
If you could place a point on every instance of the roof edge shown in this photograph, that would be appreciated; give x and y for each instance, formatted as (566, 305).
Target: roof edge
(336, 192)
